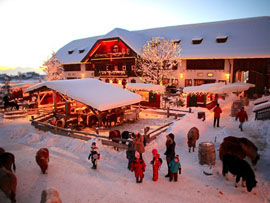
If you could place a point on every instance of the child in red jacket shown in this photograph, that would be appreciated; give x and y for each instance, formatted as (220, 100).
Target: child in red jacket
(138, 166)
(156, 162)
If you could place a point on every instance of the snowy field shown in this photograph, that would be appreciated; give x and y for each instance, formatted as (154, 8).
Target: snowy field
(71, 174)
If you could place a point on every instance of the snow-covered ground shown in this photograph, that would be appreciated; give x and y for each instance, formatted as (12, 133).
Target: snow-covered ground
(71, 174)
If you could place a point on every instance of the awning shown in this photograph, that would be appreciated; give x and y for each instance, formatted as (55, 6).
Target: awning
(234, 87)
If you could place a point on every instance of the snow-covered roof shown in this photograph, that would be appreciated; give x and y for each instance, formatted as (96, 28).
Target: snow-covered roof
(234, 87)
(261, 106)
(242, 41)
(203, 88)
(145, 87)
(262, 100)
(95, 93)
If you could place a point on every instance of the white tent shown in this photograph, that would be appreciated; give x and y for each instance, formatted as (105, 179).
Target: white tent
(145, 87)
(92, 92)
(203, 88)
(234, 87)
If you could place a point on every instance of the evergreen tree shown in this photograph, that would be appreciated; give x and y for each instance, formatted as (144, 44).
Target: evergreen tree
(53, 68)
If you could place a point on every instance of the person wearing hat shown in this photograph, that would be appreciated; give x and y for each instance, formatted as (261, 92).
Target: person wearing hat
(156, 162)
(242, 115)
(130, 154)
(175, 167)
(94, 155)
(138, 166)
(170, 151)
(138, 143)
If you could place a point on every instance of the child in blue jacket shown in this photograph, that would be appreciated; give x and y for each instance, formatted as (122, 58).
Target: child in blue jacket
(175, 167)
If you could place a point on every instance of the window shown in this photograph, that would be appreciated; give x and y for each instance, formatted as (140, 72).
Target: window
(70, 51)
(197, 40)
(89, 67)
(221, 39)
(188, 82)
(177, 41)
(133, 67)
(205, 64)
(115, 68)
(124, 68)
(81, 51)
(72, 67)
(107, 80)
(133, 81)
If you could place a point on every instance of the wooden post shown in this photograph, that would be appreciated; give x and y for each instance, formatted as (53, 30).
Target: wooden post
(168, 112)
(54, 102)
(67, 111)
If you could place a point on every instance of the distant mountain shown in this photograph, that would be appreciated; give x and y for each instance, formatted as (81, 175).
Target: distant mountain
(15, 71)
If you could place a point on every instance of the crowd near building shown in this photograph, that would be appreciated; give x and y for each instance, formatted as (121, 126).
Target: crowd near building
(225, 51)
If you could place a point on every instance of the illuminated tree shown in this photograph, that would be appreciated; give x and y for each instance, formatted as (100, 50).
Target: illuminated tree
(157, 60)
(53, 68)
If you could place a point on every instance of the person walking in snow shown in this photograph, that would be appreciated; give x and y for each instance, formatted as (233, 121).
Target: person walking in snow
(217, 112)
(156, 162)
(138, 166)
(242, 115)
(130, 154)
(170, 151)
(94, 155)
(175, 168)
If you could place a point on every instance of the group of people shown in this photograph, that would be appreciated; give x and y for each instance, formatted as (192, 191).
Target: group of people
(136, 162)
(241, 115)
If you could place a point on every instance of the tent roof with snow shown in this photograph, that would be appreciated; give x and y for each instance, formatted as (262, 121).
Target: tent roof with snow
(234, 87)
(203, 88)
(92, 92)
(145, 87)
(240, 42)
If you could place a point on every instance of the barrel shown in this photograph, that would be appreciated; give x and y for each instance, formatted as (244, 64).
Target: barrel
(207, 153)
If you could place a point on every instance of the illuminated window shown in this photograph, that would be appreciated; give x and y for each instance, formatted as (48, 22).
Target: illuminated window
(116, 68)
(188, 82)
(197, 40)
(133, 67)
(124, 68)
(210, 74)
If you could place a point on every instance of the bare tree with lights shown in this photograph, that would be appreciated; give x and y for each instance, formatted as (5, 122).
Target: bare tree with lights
(157, 60)
(53, 68)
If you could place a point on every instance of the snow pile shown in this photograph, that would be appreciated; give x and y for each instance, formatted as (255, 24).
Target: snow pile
(112, 182)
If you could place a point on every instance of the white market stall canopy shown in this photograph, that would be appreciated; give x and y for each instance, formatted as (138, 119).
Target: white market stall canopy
(203, 88)
(92, 92)
(145, 87)
(234, 87)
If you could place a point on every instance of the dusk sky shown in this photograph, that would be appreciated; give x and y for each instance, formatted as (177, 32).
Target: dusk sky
(32, 29)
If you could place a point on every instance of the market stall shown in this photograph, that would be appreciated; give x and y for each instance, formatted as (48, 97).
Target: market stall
(151, 94)
(202, 96)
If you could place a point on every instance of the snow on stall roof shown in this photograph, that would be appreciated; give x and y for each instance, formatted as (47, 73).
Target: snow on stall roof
(145, 87)
(203, 88)
(234, 87)
(261, 106)
(95, 93)
(241, 41)
(262, 100)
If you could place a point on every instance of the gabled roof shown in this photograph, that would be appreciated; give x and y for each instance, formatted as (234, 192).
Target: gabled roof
(248, 37)
(92, 92)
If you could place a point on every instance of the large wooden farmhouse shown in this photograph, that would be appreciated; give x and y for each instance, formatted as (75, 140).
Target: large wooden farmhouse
(225, 51)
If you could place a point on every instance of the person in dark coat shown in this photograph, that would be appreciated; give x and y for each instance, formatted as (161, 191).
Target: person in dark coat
(138, 166)
(130, 154)
(94, 155)
(175, 167)
(217, 112)
(170, 151)
(242, 115)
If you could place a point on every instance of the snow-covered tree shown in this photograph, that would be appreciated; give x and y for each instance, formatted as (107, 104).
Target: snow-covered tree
(157, 60)
(53, 68)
